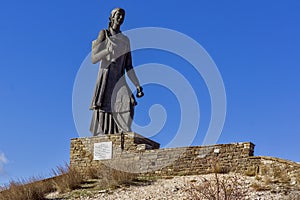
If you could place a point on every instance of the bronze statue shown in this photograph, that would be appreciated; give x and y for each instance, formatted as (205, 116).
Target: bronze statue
(113, 102)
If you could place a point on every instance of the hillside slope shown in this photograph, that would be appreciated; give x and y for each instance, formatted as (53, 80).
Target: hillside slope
(237, 186)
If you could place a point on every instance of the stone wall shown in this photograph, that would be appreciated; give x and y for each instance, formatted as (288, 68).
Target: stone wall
(134, 153)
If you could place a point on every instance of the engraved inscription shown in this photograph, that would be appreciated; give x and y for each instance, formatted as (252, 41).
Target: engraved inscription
(103, 151)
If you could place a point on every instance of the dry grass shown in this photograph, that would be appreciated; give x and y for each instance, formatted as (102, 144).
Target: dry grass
(219, 188)
(275, 174)
(251, 171)
(36, 188)
(109, 177)
(298, 180)
(275, 179)
(280, 175)
(32, 189)
(65, 180)
(100, 178)
(260, 187)
(270, 175)
(264, 170)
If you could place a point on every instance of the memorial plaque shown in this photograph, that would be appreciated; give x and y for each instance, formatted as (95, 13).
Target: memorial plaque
(103, 151)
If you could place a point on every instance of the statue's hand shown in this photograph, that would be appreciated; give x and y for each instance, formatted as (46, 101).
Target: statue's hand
(111, 52)
(140, 92)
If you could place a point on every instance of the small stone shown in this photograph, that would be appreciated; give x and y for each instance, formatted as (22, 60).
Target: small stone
(103, 191)
(175, 189)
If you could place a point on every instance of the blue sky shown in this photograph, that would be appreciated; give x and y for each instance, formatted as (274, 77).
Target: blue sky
(255, 45)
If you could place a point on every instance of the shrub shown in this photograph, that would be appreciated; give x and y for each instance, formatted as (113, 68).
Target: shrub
(66, 179)
(221, 187)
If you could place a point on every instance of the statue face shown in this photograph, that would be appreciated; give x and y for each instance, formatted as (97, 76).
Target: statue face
(118, 18)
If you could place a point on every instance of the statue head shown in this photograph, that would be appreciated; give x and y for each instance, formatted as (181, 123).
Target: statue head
(116, 17)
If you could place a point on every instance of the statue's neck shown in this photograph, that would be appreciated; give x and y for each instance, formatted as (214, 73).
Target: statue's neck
(114, 30)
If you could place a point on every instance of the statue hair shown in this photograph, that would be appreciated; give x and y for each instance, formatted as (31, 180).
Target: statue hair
(112, 14)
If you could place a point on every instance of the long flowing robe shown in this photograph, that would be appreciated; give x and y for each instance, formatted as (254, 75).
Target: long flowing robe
(113, 102)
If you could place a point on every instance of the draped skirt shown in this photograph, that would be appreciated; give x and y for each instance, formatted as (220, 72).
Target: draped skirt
(111, 123)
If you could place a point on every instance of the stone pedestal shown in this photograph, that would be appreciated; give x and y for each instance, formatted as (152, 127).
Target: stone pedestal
(83, 149)
(134, 153)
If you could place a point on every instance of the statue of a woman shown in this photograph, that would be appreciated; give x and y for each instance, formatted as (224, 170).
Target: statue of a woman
(113, 102)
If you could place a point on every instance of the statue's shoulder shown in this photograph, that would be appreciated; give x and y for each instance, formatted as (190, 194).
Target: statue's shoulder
(125, 38)
(102, 35)
(122, 36)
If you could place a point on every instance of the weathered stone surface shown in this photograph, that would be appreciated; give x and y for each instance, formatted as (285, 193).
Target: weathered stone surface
(135, 153)
(132, 155)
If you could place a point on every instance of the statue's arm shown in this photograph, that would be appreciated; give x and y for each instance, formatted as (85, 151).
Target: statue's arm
(99, 50)
(130, 71)
(132, 76)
